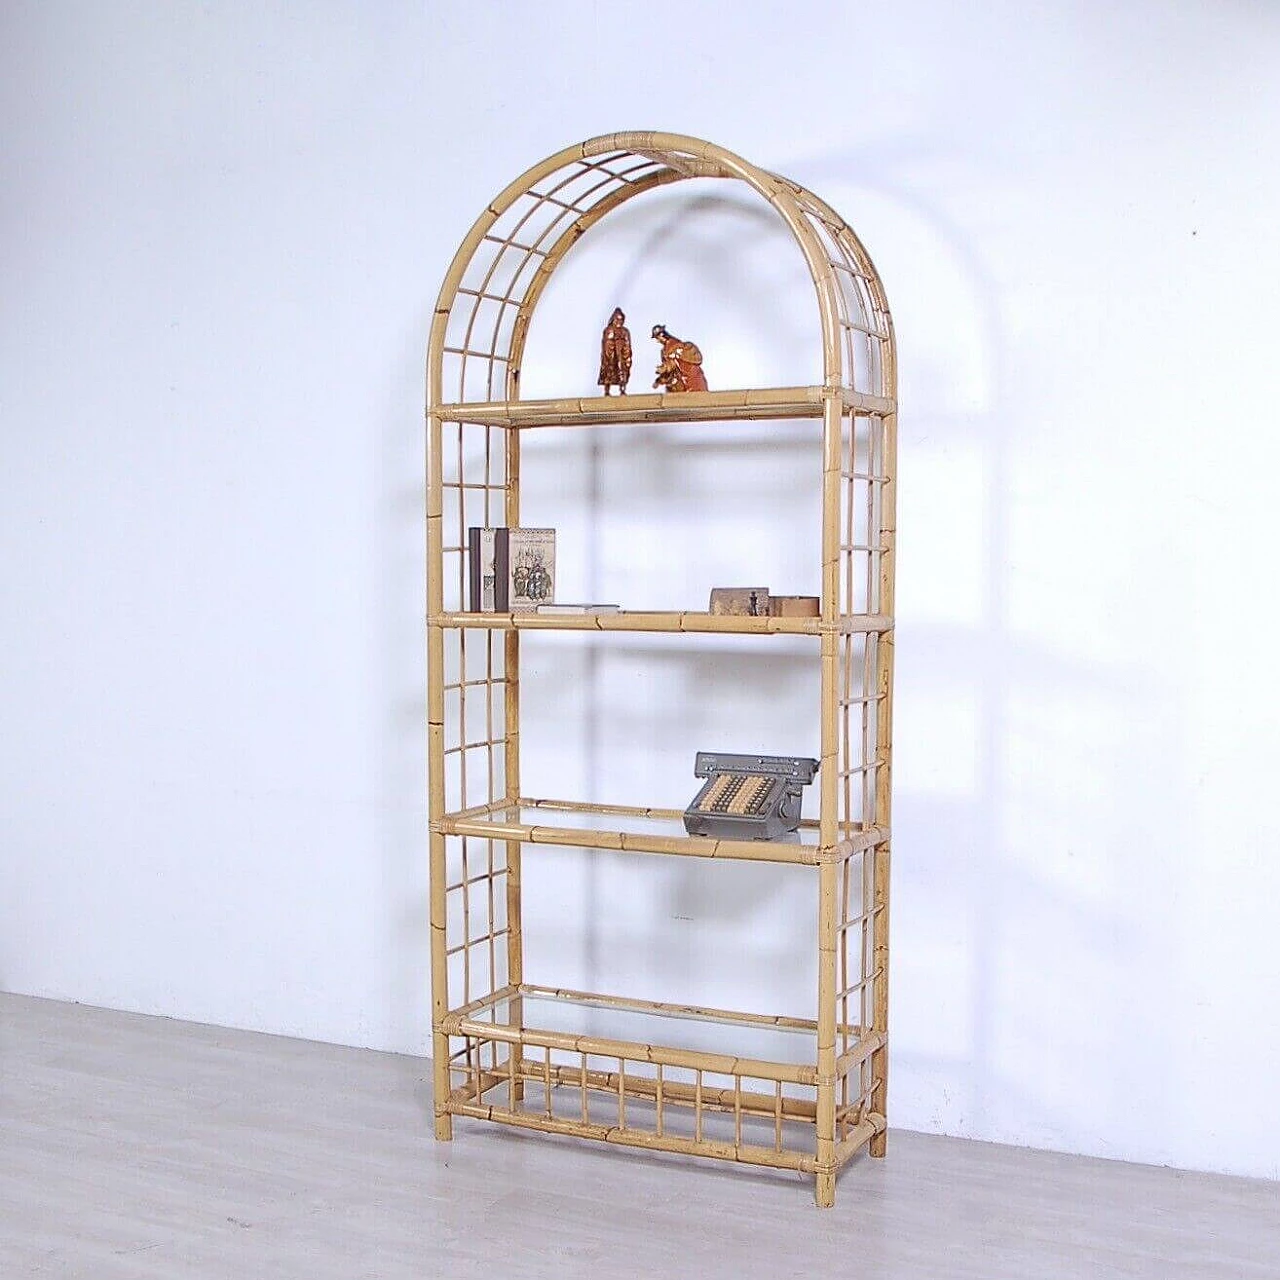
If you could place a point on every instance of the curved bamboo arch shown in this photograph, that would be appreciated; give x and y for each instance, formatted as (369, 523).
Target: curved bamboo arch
(501, 269)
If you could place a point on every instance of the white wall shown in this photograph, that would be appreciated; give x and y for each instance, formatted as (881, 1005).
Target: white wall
(223, 228)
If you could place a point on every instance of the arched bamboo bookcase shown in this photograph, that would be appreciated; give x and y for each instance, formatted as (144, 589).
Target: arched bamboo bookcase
(505, 1049)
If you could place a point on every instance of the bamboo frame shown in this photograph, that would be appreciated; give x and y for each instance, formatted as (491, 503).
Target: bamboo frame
(810, 1117)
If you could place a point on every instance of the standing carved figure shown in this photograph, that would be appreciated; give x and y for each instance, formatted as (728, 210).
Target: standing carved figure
(615, 353)
(681, 367)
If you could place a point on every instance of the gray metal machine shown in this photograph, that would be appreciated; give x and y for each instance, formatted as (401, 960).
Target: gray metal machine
(748, 797)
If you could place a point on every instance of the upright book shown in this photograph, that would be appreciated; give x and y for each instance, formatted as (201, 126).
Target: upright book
(531, 567)
(487, 571)
(510, 570)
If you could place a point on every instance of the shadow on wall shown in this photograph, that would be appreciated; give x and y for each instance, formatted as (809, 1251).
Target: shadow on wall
(1034, 891)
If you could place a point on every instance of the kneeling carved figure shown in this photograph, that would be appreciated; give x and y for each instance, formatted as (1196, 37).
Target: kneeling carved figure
(681, 366)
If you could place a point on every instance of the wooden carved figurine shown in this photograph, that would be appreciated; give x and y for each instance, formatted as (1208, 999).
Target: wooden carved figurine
(681, 367)
(615, 353)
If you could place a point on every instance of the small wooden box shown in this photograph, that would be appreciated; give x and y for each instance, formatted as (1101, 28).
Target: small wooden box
(794, 606)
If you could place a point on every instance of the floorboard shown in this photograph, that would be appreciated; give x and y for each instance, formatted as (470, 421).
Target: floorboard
(135, 1147)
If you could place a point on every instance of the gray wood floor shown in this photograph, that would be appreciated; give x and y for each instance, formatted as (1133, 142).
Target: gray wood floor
(144, 1147)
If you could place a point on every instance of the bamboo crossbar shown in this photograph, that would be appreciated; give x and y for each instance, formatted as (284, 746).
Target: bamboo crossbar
(633, 842)
(477, 810)
(483, 1002)
(856, 1108)
(594, 806)
(860, 328)
(693, 1012)
(512, 244)
(860, 1052)
(480, 877)
(478, 1084)
(633, 1050)
(468, 943)
(743, 1154)
(858, 1137)
(469, 351)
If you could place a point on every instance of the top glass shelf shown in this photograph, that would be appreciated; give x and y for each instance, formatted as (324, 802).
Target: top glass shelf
(773, 403)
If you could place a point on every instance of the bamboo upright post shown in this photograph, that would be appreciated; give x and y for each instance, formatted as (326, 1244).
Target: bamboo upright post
(435, 779)
(829, 790)
(884, 778)
(511, 763)
(811, 1117)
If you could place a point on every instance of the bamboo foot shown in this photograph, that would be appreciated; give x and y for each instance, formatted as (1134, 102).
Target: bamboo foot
(825, 1191)
(877, 1145)
(444, 1127)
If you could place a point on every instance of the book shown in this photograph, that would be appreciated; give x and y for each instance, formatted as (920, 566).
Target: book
(487, 572)
(473, 569)
(579, 608)
(740, 601)
(529, 559)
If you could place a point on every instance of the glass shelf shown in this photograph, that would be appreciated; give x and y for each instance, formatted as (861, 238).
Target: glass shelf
(638, 830)
(581, 1021)
(772, 403)
(688, 623)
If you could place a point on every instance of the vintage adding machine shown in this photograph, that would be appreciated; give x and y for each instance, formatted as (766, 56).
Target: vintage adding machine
(748, 797)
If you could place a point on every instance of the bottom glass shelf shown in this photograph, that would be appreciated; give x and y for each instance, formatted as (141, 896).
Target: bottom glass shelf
(662, 1076)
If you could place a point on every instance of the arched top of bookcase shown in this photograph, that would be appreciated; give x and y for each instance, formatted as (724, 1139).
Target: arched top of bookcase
(503, 265)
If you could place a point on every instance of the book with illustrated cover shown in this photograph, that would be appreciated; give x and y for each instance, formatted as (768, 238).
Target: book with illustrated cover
(530, 559)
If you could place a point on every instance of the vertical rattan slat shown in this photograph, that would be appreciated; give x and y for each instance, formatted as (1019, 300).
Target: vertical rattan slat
(488, 1042)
